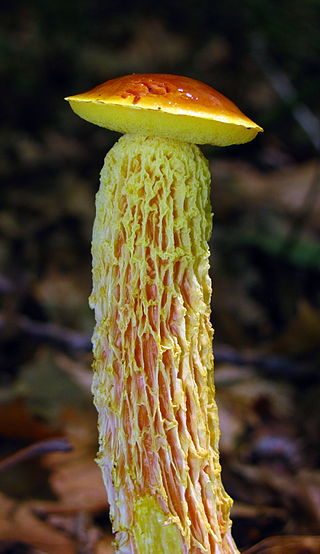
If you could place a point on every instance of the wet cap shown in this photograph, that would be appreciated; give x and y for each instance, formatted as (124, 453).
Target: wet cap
(165, 105)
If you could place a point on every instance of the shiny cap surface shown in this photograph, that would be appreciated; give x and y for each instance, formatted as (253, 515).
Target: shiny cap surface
(166, 105)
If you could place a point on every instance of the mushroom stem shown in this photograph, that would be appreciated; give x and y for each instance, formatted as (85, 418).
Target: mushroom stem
(153, 380)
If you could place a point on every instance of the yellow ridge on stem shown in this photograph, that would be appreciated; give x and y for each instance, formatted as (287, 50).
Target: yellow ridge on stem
(153, 362)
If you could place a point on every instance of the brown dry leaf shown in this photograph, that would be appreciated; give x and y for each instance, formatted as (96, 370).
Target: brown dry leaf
(74, 476)
(104, 546)
(76, 481)
(15, 412)
(80, 426)
(288, 545)
(19, 523)
(284, 189)
(78, 486)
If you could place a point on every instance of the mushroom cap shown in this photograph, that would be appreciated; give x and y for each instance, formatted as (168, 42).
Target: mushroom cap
(165, 105)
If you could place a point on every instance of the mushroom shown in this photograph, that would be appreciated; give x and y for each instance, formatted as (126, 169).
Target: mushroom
(153, 362)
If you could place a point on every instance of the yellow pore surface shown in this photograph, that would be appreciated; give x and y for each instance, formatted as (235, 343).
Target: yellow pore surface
(165, 105)
(153, 379)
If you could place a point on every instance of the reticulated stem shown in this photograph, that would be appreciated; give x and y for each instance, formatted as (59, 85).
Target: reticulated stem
(153, 380)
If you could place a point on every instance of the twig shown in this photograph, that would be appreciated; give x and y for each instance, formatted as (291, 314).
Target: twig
(270, 365)
(59, 444)
(49, 332)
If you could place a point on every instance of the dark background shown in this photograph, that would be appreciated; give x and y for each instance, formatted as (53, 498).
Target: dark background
(265, 56)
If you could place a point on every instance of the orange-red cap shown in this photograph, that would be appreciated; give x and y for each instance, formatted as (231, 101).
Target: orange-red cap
(165, 105)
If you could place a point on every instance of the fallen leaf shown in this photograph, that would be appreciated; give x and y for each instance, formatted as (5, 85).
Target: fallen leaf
(19, 523)
(285, 188)
(287, 545)
(79, 487)
(33, 428)
(104, 546)
(74, 477)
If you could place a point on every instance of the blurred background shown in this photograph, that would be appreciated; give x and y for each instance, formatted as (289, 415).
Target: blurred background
(265, 56)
